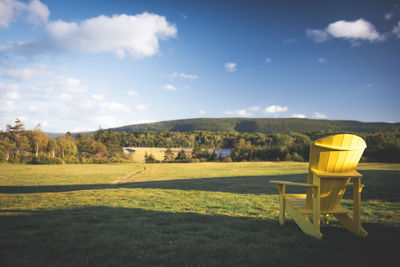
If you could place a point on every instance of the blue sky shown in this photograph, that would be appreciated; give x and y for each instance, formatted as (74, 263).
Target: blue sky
(78, 65)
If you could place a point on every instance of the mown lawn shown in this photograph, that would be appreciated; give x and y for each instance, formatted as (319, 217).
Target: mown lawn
(200, 214)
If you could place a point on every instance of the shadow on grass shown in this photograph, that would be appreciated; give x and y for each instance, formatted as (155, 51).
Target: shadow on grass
(105, 236)
(380, 184)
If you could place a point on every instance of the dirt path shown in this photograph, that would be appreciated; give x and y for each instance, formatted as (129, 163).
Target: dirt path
(125, 179)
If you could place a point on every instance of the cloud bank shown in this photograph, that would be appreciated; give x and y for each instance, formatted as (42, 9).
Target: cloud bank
(135, 35)
(35, 12)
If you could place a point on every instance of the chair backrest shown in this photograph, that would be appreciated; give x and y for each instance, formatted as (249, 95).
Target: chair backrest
(334, 154)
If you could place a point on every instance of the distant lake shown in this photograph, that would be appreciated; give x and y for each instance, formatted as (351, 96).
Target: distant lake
(222, 151)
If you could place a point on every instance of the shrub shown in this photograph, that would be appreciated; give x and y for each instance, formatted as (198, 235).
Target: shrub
(150, 159)
(226, 159)
(297, 157)
(71, 160)
(23, 158)
(44, 158)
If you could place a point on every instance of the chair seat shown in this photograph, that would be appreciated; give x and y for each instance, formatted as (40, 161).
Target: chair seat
(298, 201)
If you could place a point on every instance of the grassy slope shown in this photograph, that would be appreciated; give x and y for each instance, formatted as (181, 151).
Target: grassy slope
(181, 214)
(262, 125)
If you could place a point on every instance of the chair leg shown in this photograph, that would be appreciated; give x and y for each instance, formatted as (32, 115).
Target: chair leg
(354, 224)
(281, 188)
(351, 225)
(282, 210)
(303, 222)
(357, 203)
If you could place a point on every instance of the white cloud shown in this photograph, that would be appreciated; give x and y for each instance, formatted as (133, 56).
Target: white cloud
(268, 60)
(350, 30)
(202, 111)
(243, 113)
(299, 116)
(137, 36)
(9, 91)
(8, 97)
(240, 113)
(254, 108)
(275, 109)
(6, 106)
(389, 15)
(169, 87)
(33, 108)
(8, 11)
(318, 36)
(107, 121)
(322, 60)
(86, 114)
(141, 107)
(184, 75)
(34, 11)
(98, 97)
(60, 87)
(141, 121)
(230, 66)
(358, 29)
(368, 85)
(248, 112)
(396, 30)
(37, 12)
(63, 109)
(132, 93)
(290, 41)
(65, 97)
(114, 107)
(44, 124)
(69, 84)
(28, 73)
(318, 115)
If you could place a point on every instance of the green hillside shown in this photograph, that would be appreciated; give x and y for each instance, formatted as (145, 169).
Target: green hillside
(261, 125)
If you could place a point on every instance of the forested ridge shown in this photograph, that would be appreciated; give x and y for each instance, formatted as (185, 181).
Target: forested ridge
(259, 125)
(18, 145)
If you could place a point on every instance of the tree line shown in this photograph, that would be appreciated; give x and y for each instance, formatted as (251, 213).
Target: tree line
(382, 146)
(18, 145)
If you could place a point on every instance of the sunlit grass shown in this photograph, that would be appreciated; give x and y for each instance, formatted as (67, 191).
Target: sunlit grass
(140, 152)
(64, 174)
(180, 214)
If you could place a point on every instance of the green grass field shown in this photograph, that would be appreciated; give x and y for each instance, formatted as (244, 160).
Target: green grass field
(198, 214)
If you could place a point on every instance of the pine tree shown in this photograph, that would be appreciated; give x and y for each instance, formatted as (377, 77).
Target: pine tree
(181, 155)
(168, 155)
(196, 153)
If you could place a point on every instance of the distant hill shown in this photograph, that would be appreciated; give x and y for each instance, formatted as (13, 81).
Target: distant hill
(261, 125)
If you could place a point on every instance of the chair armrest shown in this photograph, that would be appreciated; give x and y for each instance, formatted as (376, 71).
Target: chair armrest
(347, 174)
(292, 183)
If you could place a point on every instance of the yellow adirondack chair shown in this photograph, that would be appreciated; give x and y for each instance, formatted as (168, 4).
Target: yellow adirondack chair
(332, 165)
